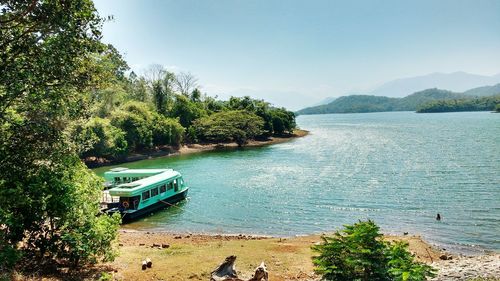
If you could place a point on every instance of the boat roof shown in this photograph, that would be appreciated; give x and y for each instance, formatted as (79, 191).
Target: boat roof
(124, 172)
(139, 185)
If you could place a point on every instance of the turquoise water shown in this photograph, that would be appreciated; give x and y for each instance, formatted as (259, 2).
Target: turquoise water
(399, 169)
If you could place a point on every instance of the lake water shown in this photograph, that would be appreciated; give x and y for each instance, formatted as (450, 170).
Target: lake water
(398, 168)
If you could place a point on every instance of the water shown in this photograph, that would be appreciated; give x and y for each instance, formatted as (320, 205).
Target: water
(399, 169)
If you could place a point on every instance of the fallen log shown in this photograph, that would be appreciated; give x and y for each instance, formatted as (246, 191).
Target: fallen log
(226, 271)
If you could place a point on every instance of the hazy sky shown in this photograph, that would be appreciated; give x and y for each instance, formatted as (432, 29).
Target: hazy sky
(298, 52)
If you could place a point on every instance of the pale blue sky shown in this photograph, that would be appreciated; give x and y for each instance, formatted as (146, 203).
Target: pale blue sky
(298, 52)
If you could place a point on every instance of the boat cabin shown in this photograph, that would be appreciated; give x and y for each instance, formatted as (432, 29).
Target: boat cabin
(145, 189)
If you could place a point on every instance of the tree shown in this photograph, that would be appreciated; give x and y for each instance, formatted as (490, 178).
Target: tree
(358, 252)
(50, 57)
(136, 120)
(185, 83)
(99, 138)
(236, 125)
(186, 110)
(154, 73)
(160, 97)
(167, 131)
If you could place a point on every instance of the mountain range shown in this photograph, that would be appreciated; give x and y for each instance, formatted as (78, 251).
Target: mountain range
(372, 103)
(456, 82)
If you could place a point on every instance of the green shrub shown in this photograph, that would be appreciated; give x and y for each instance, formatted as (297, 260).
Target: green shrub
(167, 131)
(359, 253)
(99, 138)
(236, 125)
(136, 120)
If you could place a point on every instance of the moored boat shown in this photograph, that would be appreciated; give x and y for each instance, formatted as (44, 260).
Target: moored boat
(137, 192)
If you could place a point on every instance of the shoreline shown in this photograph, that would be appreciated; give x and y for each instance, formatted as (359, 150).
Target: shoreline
(192, 256)
(191, 149)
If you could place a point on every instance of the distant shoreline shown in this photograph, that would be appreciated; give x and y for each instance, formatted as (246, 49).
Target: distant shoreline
(191, 149)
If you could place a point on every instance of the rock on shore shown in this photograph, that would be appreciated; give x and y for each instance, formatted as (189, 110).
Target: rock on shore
(466, 268)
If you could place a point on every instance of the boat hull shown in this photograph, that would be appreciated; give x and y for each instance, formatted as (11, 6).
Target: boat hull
(162, 204)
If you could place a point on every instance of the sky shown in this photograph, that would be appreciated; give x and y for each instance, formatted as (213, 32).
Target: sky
(295, 53)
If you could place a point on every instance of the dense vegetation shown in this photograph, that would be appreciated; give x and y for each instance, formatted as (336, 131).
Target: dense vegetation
(51, 60)
(138, 114)
(64, 95)
(359, 253)
(366, 103)
(477, 104)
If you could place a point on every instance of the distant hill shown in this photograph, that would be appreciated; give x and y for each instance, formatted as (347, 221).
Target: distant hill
(370, 103)
(488, 103)
(414, 100)
(456, 82)
(484, 91)
(352, 104)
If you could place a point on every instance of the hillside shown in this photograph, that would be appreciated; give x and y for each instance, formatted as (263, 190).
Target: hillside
(484, 91)
(368, 103)
(489, 103)
(456, 82)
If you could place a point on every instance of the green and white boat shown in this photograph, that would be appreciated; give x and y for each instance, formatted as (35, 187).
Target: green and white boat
(136, 192)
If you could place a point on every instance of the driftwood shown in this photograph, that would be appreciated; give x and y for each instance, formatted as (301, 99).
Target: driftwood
(226, 272)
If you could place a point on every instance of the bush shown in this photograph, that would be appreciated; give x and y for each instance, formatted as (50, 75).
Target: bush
(186, 110)
(136, 120)
(359, 253)
(167, 131)
(236, 125)
(99, 138)
(65, 225)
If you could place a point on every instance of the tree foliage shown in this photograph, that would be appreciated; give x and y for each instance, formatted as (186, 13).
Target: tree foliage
(49, 67)
(99, 137)
(358, 252)
(236, 125)
(456, 105)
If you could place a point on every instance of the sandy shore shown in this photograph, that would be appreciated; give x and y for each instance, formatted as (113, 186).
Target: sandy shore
(189, 149)
(194, 256)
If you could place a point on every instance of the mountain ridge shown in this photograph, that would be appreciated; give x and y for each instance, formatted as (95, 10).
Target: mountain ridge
(372, 103)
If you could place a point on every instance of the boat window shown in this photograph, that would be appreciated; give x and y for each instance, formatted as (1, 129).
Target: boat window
(145, 195)
(117, 179)
(134, 179)
(170, 185)
(163, 188)
(154, 191)
(176, 185)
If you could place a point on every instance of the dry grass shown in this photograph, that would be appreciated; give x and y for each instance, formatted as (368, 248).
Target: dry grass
(193, 257)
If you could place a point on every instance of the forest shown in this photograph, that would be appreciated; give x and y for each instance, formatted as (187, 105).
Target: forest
(478, 104)
(162, 108)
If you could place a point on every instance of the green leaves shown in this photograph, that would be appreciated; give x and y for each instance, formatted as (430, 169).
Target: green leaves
(227, 126)
(51, 59)
(359, 253)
